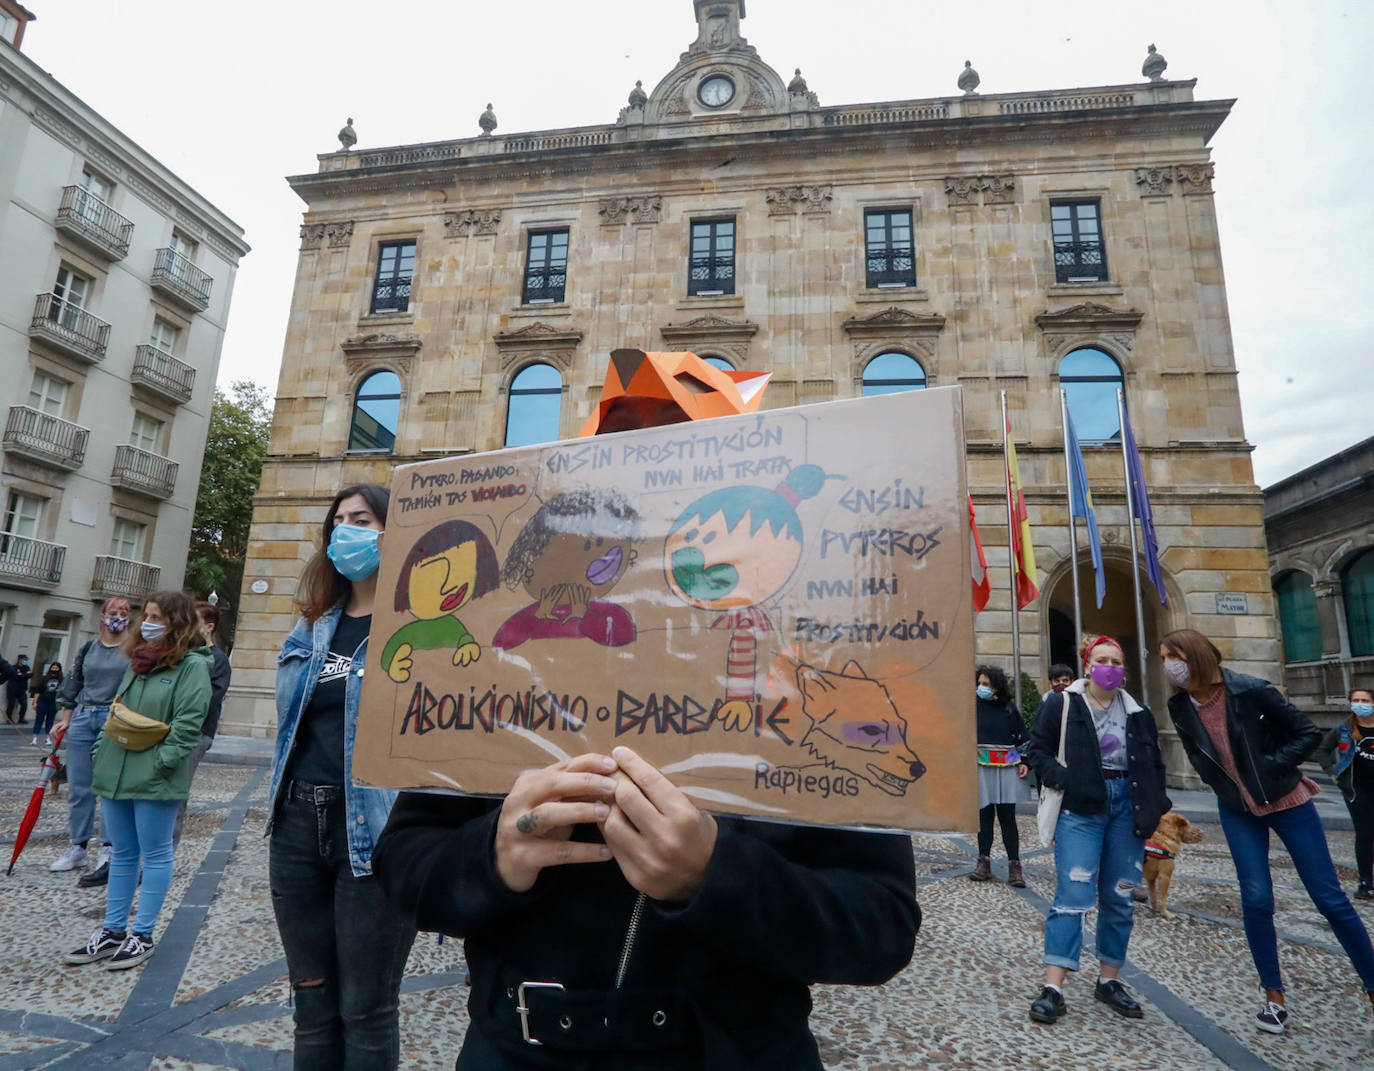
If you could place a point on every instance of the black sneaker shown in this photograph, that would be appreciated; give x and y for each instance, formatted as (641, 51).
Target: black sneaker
(1273, 1018)
(1113, 994)
(102, 945)
(99, 876)
(135, 949)
(1364, 892)
(1048, 1006)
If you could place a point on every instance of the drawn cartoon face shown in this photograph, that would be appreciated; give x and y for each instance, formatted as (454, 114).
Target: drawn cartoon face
(855, 726)
(441, 584)
(596, 562)
(715, 567)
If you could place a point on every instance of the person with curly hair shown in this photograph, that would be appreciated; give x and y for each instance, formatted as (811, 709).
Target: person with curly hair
(1001, 773)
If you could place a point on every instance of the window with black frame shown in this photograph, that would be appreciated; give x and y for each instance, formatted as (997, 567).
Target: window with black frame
(889, 251)
(376, 414)
(546, 267)
(1079, 253)
(395, 266)
(711, 270)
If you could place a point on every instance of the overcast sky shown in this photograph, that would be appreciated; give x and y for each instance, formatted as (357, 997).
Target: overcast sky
(234, 98)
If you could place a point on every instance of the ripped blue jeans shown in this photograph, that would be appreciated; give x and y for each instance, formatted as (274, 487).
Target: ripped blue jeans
(1098, 861)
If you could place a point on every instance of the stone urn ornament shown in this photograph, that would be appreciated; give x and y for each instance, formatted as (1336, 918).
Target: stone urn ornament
(1153, 67)
(638, 98)
(487, 121)
(968, 79)
(348, 137)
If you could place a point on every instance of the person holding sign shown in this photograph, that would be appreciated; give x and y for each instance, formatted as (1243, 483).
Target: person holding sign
(1113, 784)
(606, 917)
(345, 951)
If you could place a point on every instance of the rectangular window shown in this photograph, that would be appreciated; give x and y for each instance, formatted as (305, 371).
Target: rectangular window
(48, 394)
(127, 540)
(1079, 255)
(712, 267)
(23, 515)
(94, 196)
(395, 266)
(185, 246)
(71, 291)
(146, 433)
(889, 253)
(8, 25)
(546, 267)
(164, 335)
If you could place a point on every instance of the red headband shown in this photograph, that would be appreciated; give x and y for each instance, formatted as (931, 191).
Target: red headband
(1088, 651)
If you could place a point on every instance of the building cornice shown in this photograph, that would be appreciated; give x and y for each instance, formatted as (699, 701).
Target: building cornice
(61, 113)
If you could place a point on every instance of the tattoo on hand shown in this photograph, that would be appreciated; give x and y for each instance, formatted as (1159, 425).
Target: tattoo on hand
(527, 821)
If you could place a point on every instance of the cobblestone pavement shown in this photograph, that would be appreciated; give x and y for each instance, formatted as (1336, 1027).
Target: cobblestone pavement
(214, 996)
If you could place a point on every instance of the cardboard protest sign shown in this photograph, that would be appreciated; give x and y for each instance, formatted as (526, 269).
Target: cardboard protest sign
(773, 608)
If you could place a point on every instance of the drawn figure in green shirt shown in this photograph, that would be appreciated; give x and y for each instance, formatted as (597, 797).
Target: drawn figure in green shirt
(449, 566)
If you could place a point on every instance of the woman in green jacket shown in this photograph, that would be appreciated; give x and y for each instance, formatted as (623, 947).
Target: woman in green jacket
(168, 679)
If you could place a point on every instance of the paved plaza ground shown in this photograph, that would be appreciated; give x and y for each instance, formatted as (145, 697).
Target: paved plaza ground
(215, 995)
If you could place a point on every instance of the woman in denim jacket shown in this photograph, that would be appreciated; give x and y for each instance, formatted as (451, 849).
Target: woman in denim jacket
(345, 949)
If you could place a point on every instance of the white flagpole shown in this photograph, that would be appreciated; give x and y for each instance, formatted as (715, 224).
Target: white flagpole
(1011, 555)
(1073, 525)
(1135, 558)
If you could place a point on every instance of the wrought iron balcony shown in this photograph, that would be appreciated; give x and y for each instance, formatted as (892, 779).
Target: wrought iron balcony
(181, 280)
(144, 472)
(30, 563)
(1079, 262)
(163, 374)
(89, 220)
(69, 328)
(891, 266)
(711, 275)
(121, 576)
(48, 440)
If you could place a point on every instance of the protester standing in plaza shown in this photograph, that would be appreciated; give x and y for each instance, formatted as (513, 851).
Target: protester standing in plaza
(1346, 752)
(644, 932)
(207, 615)
(1113, 799)
(1001, 773)
(345, 949)
(15, 686)
(45, 690)
(1247, 742)
(168, 681)
(87, 692)
(1061, 676)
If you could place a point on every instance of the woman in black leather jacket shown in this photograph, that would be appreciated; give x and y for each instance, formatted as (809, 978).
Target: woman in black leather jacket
(1247, 742)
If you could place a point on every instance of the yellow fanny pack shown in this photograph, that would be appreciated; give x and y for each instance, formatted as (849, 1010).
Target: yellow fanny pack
(131, 730)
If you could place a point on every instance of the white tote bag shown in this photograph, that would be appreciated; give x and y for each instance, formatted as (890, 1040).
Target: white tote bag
(1051, 799)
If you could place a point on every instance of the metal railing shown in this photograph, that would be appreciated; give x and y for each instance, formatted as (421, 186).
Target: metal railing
(391, 295)
(711, 275)
(85, 215)
(175, 275)
(891, 266)
(545, 284)
(24, 560)
(160, 371)
(122, 576)
(144, 471)
(69, 327)
(45, 438)
(1079, 262)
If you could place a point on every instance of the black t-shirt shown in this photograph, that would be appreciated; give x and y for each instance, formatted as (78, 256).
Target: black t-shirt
(1363, 762)
(319, 752)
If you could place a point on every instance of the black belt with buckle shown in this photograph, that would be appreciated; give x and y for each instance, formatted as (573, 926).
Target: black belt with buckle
(636, 1019)
(1113, 775)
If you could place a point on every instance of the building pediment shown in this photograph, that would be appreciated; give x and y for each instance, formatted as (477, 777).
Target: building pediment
(1090, 316)
(364, 351)
(553, 344)
(893, 322)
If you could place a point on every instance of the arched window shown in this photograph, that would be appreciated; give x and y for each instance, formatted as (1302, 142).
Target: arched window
(1357, 585)
(536, 397)
(1090, 378)
(1302, 636)
(719, 362)
(376, 412)
(891, 373)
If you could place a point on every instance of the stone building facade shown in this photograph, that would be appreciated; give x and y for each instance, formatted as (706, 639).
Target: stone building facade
(977, 240)
(1320, 527)
(115, 283)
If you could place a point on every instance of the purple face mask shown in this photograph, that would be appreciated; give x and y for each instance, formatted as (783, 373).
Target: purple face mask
(1106, 677)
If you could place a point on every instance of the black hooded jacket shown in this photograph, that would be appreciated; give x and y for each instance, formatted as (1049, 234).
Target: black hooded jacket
(1270, 739)
(781, 907)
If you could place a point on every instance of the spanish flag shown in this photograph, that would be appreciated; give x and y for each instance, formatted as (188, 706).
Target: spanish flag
(978, 563)
(1022, 550)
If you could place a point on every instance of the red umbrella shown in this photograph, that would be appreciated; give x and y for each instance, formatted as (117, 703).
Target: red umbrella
(30, 819)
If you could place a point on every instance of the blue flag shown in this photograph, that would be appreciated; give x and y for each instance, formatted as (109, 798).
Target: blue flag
(1081, 498)
(1140, 498)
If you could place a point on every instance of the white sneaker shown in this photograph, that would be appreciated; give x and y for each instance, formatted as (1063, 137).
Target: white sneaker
(1273, 1019)
(71, 859)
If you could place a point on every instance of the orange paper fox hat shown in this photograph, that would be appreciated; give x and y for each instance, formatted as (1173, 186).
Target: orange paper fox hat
(700, 389)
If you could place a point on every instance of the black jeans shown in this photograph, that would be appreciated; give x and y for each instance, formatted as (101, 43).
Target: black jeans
(338, 931)
(1006, 818)
(1362, 814)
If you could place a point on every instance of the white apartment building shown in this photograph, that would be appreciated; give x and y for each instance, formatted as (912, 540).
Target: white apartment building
(115, 281)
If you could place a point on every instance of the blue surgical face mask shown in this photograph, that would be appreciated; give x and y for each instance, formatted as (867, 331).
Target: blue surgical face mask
(1362, 710)
(150, 631)
(984, 692)
(354, 551)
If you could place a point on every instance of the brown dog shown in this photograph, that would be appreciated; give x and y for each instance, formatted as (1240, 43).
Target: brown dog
(1173, 832)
